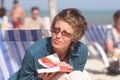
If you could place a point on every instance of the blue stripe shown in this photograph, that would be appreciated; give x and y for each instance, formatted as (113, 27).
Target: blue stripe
(39, 34)
(18, 53)
(6, 58)
(92, 33)
(103, 32)
(15, 57)
(24, 47)
(87, 35)
(95, 33)
(34, 35)
(102, 35)
(1, 35)
(11, 35)
(22, 35)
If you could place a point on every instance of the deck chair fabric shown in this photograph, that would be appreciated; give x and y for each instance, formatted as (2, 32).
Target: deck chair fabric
(96, 34)
(13, 44)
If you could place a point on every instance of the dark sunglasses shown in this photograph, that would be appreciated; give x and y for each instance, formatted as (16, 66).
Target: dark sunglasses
(58, 30)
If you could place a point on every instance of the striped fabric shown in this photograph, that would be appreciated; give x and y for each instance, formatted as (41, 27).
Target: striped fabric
(13, 44)
(96, 34)
(22, 35)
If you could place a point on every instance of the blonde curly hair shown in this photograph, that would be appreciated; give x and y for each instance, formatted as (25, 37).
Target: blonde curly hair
(75, 19)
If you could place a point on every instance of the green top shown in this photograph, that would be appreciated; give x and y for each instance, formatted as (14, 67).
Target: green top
(76, 58)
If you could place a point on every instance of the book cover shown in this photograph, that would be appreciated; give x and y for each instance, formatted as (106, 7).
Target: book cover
(50, 64)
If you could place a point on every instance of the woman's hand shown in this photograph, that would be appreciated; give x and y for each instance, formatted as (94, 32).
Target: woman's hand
(65, 67)
(64, 64)
(46, 76)
(49, 76)
(54, 76)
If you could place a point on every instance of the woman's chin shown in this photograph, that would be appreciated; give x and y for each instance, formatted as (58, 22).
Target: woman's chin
(57, 46)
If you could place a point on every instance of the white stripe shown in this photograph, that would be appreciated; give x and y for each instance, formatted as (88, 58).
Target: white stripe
(45, 32)
(3, 66)
(21, 49)
(11, 55)
(17, 35)
(28, 35)
(39, 34)
(5, 35)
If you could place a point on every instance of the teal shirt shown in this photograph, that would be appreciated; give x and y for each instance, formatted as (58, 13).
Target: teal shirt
(76, 58)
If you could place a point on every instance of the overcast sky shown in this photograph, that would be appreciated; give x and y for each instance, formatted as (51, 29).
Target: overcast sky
(81, 4)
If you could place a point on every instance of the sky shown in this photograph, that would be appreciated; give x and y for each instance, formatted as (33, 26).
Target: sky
(61, 4)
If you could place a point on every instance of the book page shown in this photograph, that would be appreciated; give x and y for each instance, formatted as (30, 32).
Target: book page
(50, 64)
(49, 61)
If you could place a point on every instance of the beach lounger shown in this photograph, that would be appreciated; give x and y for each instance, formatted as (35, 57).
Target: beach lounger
(95, 36)
(13, 44)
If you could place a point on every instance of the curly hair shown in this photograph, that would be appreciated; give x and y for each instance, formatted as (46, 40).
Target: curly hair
(74, 18)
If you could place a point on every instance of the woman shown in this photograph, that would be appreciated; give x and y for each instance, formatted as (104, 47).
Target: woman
(113, 44)
(113, 38)
(67, 29)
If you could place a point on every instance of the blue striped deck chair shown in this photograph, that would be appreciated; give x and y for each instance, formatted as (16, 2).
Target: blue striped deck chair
(96, 35)
(13, 44)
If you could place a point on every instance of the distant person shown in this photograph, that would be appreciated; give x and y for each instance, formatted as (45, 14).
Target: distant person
(35, 21)
(113, 38)
(17, 14)
(4, 24)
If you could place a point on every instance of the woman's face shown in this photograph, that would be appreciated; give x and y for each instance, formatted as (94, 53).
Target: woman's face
(61, 35)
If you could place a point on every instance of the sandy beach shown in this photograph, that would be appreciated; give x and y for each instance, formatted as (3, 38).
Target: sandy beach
(97, 70)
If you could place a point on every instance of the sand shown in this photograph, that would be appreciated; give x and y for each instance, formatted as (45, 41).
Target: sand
(97, 70)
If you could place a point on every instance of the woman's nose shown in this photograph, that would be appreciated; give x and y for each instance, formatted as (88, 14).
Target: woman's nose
(59, 35)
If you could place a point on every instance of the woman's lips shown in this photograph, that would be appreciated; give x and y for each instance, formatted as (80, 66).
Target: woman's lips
(56, 41)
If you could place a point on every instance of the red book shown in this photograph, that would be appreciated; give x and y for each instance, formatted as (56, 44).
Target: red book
(49, 62)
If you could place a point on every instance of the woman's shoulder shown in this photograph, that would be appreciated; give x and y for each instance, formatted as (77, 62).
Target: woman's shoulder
(81, 45)
(82, 48)
(42, 41)
(39, 45)
(110, 34)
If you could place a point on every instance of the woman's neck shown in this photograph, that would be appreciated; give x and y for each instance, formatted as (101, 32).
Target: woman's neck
(61, 53)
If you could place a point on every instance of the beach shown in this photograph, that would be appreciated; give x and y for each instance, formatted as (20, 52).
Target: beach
(97, 70)
(93, 17)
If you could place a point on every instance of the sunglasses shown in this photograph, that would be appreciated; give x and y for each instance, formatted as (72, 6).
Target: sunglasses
(63, 33)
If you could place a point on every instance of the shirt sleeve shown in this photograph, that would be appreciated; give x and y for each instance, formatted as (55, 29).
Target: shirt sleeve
(27, 71)
(27, 22)
(82, 58)
(42, 24)
(109, 35)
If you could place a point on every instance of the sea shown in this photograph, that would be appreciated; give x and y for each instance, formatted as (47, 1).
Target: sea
(93, 17)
